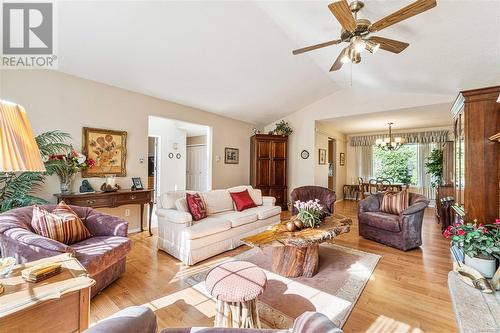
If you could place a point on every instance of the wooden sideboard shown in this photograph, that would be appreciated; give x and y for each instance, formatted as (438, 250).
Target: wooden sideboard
(476, 116)
(111, 200)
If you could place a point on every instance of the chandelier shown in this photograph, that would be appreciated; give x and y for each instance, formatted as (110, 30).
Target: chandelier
(390, 142)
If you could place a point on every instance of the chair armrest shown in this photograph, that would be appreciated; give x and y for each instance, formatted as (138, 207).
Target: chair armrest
(268, 201)
(174, 216)
(131, 319)
(415, 208)
(100, 224)
(370, 204)
(28, 238)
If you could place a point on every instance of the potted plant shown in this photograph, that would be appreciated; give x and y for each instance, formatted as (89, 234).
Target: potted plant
(310, 213)
(434, 166)
(283, 129)
(481, 244)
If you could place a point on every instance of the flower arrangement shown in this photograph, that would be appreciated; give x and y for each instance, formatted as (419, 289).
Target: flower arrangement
(477, 240)
(67, 165)
(310, 213)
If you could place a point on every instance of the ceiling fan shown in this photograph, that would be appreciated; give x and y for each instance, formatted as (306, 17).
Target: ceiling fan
(356, 31)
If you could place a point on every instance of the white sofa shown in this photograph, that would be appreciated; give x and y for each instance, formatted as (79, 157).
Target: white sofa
(193, 241)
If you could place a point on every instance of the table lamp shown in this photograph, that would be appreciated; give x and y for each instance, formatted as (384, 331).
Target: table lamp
(18, 148)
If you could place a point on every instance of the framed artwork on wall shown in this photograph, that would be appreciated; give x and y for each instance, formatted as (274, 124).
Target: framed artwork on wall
(342, 159)
(231, 156)
(108, 149)
(322, 156)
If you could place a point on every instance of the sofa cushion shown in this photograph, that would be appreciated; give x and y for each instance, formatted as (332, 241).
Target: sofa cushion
(196, 206)
(217, 201)
(256, 194)
(62, 225)
(206, 227)
(242, 200)
(264, 212)
(381, 220)
(237, 218)
(168, 199)
(181, 205)
(395, 202)
(98, 253)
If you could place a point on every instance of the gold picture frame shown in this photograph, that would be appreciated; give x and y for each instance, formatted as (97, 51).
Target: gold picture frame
(108, 148)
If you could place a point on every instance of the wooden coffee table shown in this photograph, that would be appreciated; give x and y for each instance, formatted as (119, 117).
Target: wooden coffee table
(297, 253)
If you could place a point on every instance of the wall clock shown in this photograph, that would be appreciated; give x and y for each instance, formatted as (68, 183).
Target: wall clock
(304, 154)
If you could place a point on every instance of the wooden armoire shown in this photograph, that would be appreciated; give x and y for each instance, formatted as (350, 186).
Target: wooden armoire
(268, 166)
(476, 115)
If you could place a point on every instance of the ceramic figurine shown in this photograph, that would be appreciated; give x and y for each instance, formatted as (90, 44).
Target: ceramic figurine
(86, 187)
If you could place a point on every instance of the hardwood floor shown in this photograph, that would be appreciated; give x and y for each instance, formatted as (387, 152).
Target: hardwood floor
(407, 292)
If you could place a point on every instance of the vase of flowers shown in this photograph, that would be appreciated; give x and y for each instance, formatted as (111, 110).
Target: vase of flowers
(481, 244)
(310, 213)
(67, 165)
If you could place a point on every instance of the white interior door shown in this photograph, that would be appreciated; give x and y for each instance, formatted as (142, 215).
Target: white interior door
(196, 170)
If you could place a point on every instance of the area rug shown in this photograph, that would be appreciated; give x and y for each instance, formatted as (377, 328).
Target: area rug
(333, 291)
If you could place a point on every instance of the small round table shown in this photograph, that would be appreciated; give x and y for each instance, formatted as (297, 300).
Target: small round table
(236, 285)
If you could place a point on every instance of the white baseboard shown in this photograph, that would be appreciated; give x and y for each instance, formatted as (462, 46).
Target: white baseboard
(134, 230)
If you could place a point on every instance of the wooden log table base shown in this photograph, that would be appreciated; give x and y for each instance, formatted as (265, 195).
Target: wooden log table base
(297, 253)
(237, 314)
(292, 261)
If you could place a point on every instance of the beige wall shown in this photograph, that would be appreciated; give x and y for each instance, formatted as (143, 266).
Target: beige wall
(55, 100)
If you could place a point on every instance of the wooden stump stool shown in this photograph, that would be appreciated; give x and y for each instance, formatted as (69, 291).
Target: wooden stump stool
(236, 285)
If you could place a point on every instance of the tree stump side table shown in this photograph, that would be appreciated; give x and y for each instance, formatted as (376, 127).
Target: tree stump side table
(236, 285)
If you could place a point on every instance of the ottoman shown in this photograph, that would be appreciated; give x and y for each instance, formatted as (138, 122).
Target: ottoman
(235, 285)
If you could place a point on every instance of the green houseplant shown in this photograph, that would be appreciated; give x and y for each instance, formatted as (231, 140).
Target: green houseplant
(434, 166)
(480, 243)
(17, 190)
(283, 128)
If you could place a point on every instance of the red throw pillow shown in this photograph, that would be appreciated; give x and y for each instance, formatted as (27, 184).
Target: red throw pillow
(242, 200)
(196, 206)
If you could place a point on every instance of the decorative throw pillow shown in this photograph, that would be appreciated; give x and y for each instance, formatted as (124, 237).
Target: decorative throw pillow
(242, 200)
(196, 206)
(62, 225)
(181, 205)
(395, 202)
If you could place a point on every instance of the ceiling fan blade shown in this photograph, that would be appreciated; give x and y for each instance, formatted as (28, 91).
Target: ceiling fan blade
(337, 64)
(342, 12)
(390, 45)
(317, 46)
(412, 9)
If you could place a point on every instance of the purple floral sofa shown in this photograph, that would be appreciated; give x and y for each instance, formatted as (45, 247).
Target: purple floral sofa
(103, 255)
(403, 231)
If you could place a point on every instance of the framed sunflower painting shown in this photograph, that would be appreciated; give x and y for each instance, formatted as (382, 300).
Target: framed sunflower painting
(108, 149)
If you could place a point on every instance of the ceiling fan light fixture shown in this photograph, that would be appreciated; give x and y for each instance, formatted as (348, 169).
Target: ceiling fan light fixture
(371, 46)
(356, 59)
(346, 58)
(358, 43)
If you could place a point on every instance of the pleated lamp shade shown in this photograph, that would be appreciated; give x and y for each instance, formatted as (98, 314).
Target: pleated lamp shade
(18, 149)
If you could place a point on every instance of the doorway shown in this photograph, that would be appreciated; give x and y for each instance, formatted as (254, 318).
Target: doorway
(183, 155)
(332, 164)
(153, 176)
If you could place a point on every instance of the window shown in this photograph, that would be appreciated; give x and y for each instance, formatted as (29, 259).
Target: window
(400, 166)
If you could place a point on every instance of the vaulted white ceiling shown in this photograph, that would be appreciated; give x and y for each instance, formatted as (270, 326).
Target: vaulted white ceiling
(234, 58)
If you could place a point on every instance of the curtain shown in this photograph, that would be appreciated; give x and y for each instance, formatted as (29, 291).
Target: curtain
(414, 137)
(424, 180)
(364, 162)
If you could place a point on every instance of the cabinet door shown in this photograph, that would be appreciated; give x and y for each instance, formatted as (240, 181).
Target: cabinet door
(264, 166)
(279, 149)
(279, 172)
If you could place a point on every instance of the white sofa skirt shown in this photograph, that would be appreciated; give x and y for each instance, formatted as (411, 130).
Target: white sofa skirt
(191, 251)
